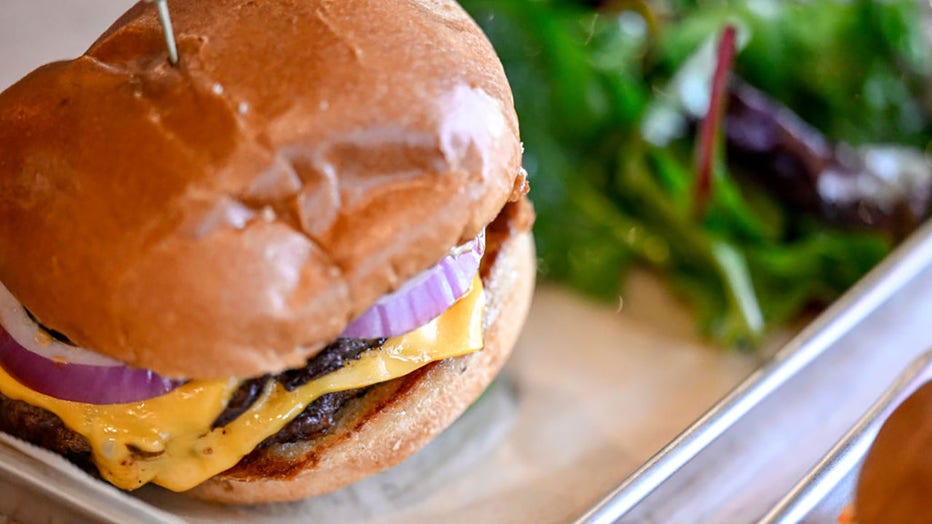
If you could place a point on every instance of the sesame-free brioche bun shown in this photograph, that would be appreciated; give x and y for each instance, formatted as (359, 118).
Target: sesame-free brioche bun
(394, 419)
(229, 216)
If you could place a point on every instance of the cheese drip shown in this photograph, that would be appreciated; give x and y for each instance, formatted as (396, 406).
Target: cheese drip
(168, 440)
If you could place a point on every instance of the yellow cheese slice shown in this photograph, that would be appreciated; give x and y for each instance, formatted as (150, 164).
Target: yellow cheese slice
(168, 440)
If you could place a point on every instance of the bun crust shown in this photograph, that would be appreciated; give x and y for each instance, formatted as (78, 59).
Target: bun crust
(896, 478)
(392, 420)
(229, 216)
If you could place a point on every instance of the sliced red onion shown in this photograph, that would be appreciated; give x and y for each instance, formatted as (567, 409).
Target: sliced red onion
(424, 297)
(48, 366)
(23, 329)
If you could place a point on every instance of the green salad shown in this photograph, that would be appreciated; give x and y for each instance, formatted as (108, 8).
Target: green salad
(758, 186)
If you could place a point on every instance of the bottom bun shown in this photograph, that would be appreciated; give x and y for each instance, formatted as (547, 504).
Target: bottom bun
(392, 420)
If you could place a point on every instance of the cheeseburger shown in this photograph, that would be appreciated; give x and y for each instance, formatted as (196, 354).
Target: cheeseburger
(274, 268)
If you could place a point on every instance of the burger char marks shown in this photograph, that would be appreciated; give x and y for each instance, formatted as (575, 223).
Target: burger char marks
(316, 419)
(332, 358)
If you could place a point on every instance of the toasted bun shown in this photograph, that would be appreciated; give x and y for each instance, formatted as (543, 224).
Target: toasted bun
(896, 480)
(395, 419)
(229, 216)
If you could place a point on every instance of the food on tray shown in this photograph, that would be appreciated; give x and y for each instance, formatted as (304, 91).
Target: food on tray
(281, 265)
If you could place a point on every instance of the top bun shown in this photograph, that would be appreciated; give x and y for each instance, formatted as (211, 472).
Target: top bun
(229, 216)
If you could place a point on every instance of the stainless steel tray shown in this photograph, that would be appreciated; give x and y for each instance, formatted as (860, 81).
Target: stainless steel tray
(32, 489)
(829, 487)
(746, 454)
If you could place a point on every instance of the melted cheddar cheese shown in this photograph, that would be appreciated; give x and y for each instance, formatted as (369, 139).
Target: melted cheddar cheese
(168, 440)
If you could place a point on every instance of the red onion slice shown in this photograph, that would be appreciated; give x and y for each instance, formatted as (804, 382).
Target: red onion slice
(23, 329)
(423, 298)
(43, 364)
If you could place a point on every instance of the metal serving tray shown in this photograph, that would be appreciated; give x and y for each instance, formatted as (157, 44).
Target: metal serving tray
(630, 390)
(829, 487)
(746, 454)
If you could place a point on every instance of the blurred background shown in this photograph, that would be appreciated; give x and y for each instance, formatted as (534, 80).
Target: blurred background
(756, 205)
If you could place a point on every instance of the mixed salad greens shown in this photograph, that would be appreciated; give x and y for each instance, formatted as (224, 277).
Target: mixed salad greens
(816, 166)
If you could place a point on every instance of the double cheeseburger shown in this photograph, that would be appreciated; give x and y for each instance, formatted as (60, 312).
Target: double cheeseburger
(268, 271)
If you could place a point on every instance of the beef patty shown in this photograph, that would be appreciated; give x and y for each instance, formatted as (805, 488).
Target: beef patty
(44, 428)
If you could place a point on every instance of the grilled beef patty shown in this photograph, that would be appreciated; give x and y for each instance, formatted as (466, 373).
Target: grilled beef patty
(45, 429)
